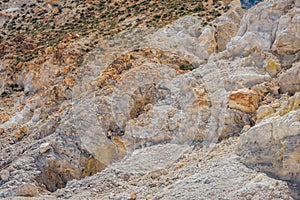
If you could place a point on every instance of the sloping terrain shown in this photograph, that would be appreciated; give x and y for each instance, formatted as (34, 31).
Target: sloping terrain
(150, 100)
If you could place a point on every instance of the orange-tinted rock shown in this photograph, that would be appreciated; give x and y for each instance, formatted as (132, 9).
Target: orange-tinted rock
(244, 100)
(4, 117)
(69, 81)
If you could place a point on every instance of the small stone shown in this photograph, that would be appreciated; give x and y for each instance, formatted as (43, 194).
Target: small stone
(133, 196)
(69, 81)
(45, 147)
(207, 181)
(264, 111)
(245, 128)
(276, 105)
(28, 190)
(152, 185)
(289, 81)
(126, 177)
(272, 67)
(48, 50)
(4, 175)
(244, 100)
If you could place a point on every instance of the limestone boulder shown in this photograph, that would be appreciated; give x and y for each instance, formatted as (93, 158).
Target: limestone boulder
(207, 42)
(287, 40)
(259, 26)
(273, 145)
(289, 81)
(264, 111)
(227, 26)
(272, 67)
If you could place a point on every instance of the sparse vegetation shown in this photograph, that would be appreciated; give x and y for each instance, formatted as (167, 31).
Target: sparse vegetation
(46, 27)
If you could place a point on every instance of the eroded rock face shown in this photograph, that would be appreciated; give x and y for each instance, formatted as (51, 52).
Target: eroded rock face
(182, 84)
(172, 171)
(227, 26)
(259, 27)
(287, 37)
(273, 144)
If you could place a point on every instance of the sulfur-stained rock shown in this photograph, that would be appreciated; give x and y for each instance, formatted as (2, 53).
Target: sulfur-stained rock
(289, 81)
(272, 67)
(144, 101)
(69, 81)
(244, 100)
(292, 103)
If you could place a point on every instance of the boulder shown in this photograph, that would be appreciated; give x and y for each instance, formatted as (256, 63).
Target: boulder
(244, 100)
(287, 40)
(289, 81)
(273, 145)
(258, 29)
(263, 111)
(27, 190)
(227, 26)
(4, 175)
(272, 67)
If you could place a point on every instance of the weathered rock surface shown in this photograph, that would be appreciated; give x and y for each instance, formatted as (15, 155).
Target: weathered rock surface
(146, 107)
(176, 172)
(273, 144)
(227, 26)
(289, 81)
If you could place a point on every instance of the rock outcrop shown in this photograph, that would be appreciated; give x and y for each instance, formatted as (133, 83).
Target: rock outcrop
(289, 81)
(273, 144)
(158, 112)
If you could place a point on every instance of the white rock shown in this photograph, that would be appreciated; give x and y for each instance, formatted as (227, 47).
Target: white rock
(289, 81)
(4, 175)
(45, 147)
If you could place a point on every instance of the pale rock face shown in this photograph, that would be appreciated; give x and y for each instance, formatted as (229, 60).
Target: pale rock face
(297, 3)
(287, 39)
(258, 28)
(126, 103)
(181, 36)
(227, 26)
(289, 81)
(273, 144)
(208, 43)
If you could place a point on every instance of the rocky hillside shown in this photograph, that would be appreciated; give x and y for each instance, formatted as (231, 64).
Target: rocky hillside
(150, 99)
